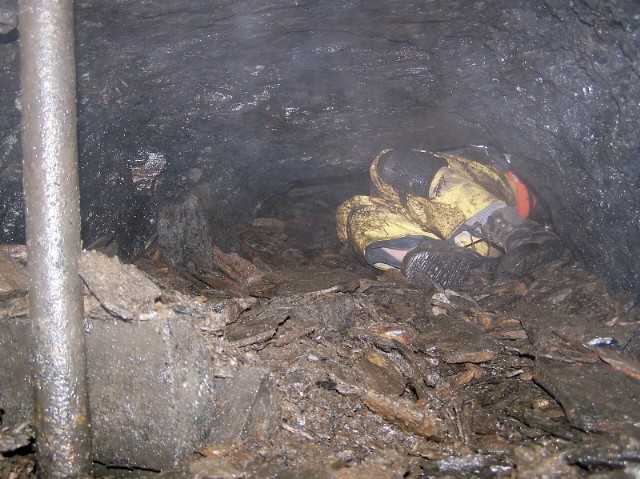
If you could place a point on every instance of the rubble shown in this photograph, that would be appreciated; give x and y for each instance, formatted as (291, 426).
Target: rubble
(415, 420)
(455, 341)
(154, 387)
(309, 364)
(123, 290)
(12, 439)
(589, 406)
(246, 407)
(12, 278)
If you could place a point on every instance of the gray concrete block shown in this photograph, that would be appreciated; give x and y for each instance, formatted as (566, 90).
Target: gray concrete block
(151, 388)
(151, 391)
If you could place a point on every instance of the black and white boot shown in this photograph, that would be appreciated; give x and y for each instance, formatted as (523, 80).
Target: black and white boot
(527, 244)
(438, 262)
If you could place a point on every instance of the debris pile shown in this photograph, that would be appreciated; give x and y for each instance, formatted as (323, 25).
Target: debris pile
(293, 359)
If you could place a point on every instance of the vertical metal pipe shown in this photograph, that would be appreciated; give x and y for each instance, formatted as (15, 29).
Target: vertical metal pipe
(50, 172)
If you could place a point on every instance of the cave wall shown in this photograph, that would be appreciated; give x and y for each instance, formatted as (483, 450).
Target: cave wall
(229, 101)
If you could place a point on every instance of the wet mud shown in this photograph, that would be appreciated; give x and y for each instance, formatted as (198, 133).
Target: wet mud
(352, 373)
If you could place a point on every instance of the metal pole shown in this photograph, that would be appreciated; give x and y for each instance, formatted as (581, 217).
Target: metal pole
(50, 150)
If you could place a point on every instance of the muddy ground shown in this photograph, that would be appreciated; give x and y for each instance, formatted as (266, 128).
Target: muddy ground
(503, 377)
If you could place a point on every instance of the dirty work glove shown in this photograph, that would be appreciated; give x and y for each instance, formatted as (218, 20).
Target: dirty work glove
(527, 245)
(439, 262)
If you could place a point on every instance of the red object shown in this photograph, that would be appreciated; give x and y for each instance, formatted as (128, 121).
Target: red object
(525, 200)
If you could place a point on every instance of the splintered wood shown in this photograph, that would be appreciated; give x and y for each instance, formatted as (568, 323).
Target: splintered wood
(235, 267)
(408, 416)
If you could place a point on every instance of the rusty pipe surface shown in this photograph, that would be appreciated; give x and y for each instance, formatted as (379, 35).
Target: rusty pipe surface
(50, 170)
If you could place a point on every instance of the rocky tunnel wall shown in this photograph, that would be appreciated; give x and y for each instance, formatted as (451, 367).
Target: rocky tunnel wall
(224, 103)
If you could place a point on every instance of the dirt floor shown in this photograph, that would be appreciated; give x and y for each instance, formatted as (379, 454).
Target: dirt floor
(503, 377)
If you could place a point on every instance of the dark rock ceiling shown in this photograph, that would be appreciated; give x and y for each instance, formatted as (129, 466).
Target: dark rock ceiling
(228, 101)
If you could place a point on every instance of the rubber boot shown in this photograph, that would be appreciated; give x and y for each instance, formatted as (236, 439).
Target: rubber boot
(438, 262)
(527, 244)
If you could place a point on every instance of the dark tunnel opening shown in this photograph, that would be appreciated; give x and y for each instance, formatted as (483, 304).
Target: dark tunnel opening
(237, 100)
(216, 141)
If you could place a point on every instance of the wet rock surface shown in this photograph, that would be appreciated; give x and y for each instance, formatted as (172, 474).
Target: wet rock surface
(122, 290)
(12, 277)
(232, 101)
(344, 372)
(216, 140)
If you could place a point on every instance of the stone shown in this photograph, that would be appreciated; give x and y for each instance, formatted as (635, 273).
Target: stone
(618, 449)
(539, 462)
(247, 406)
(8, 16)
(419, 420)
(387, 464)
(334, 311)
(235, 267)
(12, 439)
(380, 374)
(13, 280)
(15, 370)
(616, 405)
(257, 325)
(151, 389)
(123, 290)
(304, 279)
(578, 338)
(214, 468)
(455, 341)
(184, 231)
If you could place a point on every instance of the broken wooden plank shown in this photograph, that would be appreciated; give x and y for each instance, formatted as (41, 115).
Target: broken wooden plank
(423, 422)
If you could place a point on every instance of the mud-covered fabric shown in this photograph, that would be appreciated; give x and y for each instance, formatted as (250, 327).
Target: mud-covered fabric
(418, 194)
(408, 171)
(458, 190)
(367, 225)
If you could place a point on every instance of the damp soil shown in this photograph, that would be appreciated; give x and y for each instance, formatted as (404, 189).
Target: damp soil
(503, 377)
